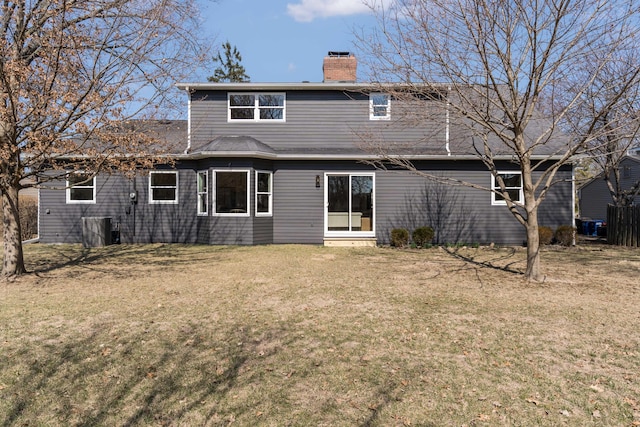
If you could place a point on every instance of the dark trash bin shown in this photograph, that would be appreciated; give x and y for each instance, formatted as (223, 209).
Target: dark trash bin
(592, 227)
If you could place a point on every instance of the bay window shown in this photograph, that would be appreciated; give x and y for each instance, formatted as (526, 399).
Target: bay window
(263, 193)
(231, 193)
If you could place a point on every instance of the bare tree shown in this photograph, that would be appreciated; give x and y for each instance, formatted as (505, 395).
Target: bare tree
(618, 130)
(512, 72)
(440, 207)
(71, 72)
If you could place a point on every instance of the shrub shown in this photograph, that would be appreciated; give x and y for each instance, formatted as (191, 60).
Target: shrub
(546, 235)
(28, 218)
(564, 235)
(399, 237)
(422, 236)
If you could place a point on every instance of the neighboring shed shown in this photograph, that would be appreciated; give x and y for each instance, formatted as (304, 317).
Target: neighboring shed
(594, 195)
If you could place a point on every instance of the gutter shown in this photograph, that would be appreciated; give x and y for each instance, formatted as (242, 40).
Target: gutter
(447, 122)
(251, 86)
(354, 157)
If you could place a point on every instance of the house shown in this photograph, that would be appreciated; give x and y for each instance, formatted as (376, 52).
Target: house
(594, 195)
(275, 163)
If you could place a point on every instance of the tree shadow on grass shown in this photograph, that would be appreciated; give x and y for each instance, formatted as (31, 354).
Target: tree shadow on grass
(386, 395)
(82, 381)
(104, 259)
(496, 263)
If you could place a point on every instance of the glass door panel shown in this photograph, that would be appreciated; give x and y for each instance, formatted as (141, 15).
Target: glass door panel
(361, 203)
(349, 203)
(338, 202)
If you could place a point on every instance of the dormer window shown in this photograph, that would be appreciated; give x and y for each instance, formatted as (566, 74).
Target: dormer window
(379, 106)
(256, 107)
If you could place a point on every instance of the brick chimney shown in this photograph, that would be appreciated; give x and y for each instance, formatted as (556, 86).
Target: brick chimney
(339, 67)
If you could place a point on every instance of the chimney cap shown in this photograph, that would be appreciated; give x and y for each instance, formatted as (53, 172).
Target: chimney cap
(339, 54)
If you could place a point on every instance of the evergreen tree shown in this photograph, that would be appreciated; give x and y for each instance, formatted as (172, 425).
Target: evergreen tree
(230, 69)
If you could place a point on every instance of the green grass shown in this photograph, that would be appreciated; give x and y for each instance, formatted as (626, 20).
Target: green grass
(301, 335)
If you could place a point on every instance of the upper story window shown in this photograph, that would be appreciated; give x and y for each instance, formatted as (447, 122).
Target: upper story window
(81, 188)
(163, 187)
(513, 186)
(379, 106)
(257, 107)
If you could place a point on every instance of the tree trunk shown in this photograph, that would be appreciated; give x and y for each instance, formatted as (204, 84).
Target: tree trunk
(533, 270)
(13, 264)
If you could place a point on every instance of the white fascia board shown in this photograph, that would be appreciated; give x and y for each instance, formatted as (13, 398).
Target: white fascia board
(355, 157)
(345, 86)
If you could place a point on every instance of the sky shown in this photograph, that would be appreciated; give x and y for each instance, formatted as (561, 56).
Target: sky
(285, 40)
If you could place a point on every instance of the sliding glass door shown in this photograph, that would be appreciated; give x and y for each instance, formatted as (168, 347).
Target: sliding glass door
(349, 201)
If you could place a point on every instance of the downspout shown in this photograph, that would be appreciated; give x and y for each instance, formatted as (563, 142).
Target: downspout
(188, 149)
(573, 199)
(446, 131)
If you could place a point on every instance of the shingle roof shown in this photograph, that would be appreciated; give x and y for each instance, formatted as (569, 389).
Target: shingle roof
(240, 144)
(173, 133)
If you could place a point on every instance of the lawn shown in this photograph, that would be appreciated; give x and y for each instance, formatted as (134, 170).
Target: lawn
(293, 335)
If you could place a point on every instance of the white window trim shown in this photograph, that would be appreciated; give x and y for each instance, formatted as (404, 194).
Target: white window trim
(327, 232)
(164, 202)
(269, 193)
(256, 108)
(371, 107)
(494, 186)
(205, 192)
(214, 201)
(86, 185)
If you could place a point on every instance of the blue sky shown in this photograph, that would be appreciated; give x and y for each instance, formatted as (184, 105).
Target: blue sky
(285, 40)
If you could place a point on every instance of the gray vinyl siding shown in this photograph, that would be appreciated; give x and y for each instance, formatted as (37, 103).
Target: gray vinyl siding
(299, 204)
(61, 222)
(402, 199)
(262, 230)
(314, 119)
(465, 214)
(298, 215)
(460, 214)
(218, 230)
(595, 196)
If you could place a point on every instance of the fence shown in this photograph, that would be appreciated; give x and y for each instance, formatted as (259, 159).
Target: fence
(623, 225)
